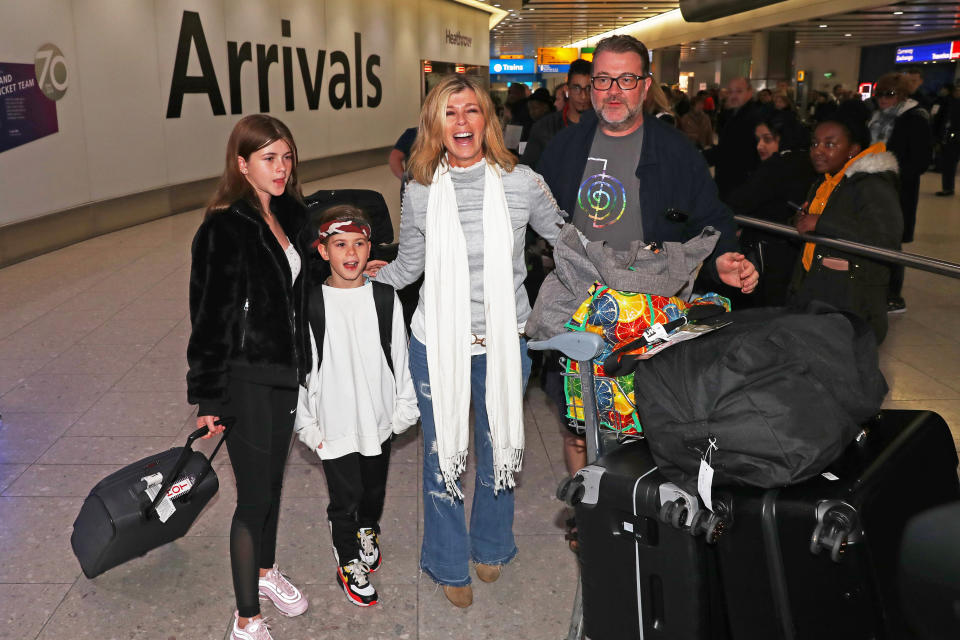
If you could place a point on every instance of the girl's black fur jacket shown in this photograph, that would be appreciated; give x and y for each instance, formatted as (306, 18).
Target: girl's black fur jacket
(248, 319)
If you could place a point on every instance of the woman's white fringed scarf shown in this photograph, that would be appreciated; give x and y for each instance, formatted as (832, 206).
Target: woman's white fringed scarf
(448, 336)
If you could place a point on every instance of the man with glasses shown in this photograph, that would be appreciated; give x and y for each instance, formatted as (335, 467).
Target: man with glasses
(577, 102)
(623, 177)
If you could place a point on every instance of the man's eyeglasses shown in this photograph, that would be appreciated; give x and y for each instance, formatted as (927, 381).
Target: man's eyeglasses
(626, 82)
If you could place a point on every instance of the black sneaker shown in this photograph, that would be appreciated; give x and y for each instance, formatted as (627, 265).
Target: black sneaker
(369, 548)
(896, 305)
(943, 194)
(353, 579)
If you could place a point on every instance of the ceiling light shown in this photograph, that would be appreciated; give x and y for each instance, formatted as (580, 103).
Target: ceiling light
(898, 13)
(693, 48)
(823, 26)
(725, 42)
(916, 25)
(847, 35)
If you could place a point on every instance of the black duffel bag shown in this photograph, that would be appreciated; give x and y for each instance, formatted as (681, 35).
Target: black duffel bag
(779, 393)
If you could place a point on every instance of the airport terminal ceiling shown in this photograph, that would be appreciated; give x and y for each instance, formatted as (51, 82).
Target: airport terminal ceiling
(545, 23)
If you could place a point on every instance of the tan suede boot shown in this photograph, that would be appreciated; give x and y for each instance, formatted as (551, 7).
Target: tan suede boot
(488, 572)
(459, 596)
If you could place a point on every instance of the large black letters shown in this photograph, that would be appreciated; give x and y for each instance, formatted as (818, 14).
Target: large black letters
(338, 102)
(340, 92)
(191, 30)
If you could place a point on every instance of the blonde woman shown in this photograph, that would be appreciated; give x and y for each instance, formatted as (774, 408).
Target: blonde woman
(465, 213)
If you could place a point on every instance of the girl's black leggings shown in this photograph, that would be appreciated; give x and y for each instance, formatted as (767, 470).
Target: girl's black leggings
(258, 446)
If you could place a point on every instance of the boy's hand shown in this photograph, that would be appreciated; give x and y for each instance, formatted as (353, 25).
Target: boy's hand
(373, 267)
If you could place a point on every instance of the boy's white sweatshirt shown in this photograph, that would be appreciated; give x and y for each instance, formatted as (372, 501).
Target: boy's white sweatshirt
(354, 403)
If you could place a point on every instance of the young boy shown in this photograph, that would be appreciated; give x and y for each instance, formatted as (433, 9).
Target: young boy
(357, 395)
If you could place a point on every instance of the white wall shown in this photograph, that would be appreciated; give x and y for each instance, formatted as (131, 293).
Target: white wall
(843, 61)
(114, 138)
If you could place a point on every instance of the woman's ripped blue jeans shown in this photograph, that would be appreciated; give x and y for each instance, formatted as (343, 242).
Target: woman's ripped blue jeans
(447, 546)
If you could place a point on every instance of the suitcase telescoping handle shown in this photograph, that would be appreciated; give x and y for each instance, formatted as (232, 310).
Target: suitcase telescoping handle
(185, 456)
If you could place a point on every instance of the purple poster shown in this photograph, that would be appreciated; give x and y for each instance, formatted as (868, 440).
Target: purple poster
(26, 114)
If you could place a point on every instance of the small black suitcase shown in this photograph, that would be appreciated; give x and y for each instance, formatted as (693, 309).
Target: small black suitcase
(818, 560)
(644, 575)
(118, 521)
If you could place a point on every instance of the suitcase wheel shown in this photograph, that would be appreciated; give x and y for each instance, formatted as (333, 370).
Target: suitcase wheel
(674, 513)
(836, 528)
(571, 491)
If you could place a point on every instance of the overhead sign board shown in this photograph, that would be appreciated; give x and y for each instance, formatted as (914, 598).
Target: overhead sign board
(553, 68)
(513, 67)
(512, 56)
(557, 55)
(586, 53)
(931, 52)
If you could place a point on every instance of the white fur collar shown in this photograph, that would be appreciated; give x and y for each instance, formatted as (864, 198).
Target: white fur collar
(874, 163)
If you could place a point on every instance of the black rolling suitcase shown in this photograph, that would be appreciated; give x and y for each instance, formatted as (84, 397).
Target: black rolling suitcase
(644, 575)
(818, 560)
(119, 521)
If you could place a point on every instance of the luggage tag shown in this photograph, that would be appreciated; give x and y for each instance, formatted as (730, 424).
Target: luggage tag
(705, 477)
(165, 507)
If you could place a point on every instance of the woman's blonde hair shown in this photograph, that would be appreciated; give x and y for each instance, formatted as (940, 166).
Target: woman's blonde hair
(429, 151)
(251, 133)
(656, 100)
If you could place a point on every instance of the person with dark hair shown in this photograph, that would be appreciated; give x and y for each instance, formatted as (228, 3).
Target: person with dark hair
(854, 199)
(948, 133)
(618, 173)
(913, 76)
(784, 176)
(539, 104)
(735, 155)
(248, 349)
(577, 92)
(904, 126)
(765, 100)
(696, 123)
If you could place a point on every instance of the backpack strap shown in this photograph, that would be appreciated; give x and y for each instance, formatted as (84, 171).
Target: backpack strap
(316, 315)
(383, 295)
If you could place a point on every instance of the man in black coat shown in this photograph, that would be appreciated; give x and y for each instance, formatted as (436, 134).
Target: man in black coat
(735, 155)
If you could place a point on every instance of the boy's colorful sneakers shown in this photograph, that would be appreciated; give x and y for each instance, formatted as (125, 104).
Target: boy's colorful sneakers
(353, 579)
(286, 597)
(255, 629)
(369, 548)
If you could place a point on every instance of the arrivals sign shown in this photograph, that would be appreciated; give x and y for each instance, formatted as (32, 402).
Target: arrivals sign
(513, 67)
(932, 52)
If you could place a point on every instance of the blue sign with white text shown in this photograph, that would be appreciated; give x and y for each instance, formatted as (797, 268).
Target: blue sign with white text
(554, 68)
(936, 51)
(515, 67)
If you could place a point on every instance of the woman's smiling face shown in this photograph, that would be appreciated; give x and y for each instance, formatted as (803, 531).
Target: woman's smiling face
(463, 129)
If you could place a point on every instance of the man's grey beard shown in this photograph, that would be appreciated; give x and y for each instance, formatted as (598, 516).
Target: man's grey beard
(626, 123)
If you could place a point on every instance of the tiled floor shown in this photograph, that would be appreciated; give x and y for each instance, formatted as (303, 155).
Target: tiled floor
(92, 343)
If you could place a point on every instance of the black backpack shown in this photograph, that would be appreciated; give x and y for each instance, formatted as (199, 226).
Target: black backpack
(779, 393)
(382, 300)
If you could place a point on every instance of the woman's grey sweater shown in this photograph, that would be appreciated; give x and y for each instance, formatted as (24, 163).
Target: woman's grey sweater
(529, 201)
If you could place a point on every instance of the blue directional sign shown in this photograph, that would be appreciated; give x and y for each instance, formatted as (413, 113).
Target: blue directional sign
(931, 52)
(514, 67)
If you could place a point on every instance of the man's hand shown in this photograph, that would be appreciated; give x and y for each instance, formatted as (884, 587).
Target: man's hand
(807, 223)
(735, 270)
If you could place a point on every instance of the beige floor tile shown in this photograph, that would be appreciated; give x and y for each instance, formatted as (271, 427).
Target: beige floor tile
(134, 413)
(126, 331)
(58, 480)
(181, 590)
(331, 617)
(27, 607)
(9, 473)
(909, 383)
(112, 450)
(96, 359)
(35, 533)
(15, 372)
(46, 392)
(156, 374)
(25, 436)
